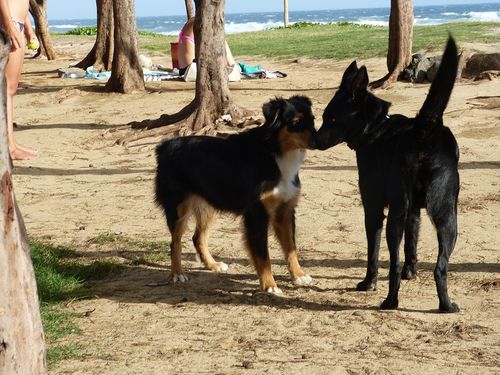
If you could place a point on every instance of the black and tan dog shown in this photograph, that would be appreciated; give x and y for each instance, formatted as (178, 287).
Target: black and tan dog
(253, 174)
(403, 163)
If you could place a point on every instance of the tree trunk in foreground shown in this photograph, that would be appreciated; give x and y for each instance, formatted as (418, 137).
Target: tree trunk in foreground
(38, 9)
(22, 348)
(189, 8)
(212, 98)
(400, 41)
(126, 71)
(101, 55)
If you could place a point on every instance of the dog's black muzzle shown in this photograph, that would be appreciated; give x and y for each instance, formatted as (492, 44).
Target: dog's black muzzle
(326, 137)
(313, 141)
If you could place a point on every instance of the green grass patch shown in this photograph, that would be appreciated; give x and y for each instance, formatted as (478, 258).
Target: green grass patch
(154, 258)
(92, 31)
(297, 25)
(347, 40)
(433, 38)
(128, 243)
(62, 275)
(56, 324)
(156, 251)
(341, 40)
(87, 30)
(62, 352)
(157, 43)
(148, 41)
(150, 34)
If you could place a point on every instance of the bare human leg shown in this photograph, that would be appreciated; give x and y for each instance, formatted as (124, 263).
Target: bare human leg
(12, 75)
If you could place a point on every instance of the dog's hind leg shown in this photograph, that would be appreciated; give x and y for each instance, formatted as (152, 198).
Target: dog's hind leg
(411, 238)
(444, 216)
(374, 219)
(396, 220)
(177, 218)
(205, 216)
(256, 222)
(284, 227)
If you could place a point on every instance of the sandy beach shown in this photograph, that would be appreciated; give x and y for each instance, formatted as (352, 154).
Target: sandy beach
(84, 185)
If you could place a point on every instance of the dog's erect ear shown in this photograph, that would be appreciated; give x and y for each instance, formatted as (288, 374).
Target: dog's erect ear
(352, 68)
(277, 111)
(350, 71)
(359, 83)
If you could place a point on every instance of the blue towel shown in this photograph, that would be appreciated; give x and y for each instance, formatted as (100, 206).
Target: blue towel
(251, 69)
(89, 73)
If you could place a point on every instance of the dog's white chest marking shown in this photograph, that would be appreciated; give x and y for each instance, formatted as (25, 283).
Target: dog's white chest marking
(289, 165)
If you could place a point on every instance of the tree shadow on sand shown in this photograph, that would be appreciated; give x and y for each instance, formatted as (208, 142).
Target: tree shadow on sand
(209, 288)
(133, 284)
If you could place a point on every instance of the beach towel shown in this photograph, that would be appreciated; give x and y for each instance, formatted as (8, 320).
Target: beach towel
(245, 72)
(257, 71)
(158, 75)
(263, 75)
(89, 73)
(248, 69)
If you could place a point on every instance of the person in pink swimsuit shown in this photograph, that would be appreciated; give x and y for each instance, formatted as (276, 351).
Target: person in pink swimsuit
(186, 47)
(14, 20)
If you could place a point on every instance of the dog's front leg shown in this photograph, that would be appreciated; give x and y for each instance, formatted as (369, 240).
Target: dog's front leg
(394, 233)
(374, 218)
(256, 221)
(284, 227)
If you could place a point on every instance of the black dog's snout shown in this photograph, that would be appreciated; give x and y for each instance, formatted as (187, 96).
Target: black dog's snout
(321, 139)
(313, 141)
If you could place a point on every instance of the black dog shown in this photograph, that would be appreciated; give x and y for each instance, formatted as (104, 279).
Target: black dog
(404, 163)
(253, 174)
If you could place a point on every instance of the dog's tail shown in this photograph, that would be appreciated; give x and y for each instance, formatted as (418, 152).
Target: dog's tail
(431, 113)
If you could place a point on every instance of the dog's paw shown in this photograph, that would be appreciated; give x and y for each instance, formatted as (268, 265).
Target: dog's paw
(409, 272)
(179, 278)
(389, 304)
(218, 267)
(366, 286)
(451, 308)
(274, 290)
(303, 280)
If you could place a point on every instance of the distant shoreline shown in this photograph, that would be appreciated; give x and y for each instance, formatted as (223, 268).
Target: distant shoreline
(257, 21)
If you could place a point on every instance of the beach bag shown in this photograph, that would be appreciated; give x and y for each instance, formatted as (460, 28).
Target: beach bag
(190, 73)
(235, 74)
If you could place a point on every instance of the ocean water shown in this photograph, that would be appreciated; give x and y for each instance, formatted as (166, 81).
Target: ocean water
(247, 22)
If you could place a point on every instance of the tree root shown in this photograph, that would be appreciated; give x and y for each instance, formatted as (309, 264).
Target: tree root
(165, 120)
(386, 81)
(124, 141)
(182, 123)
(239, 115)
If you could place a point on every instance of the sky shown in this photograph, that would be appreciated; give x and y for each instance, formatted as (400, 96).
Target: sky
(79, 9)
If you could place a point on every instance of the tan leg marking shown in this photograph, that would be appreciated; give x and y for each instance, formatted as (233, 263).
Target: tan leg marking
(183, 212)
(205, 216)
(266, 279)
(282, 224)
